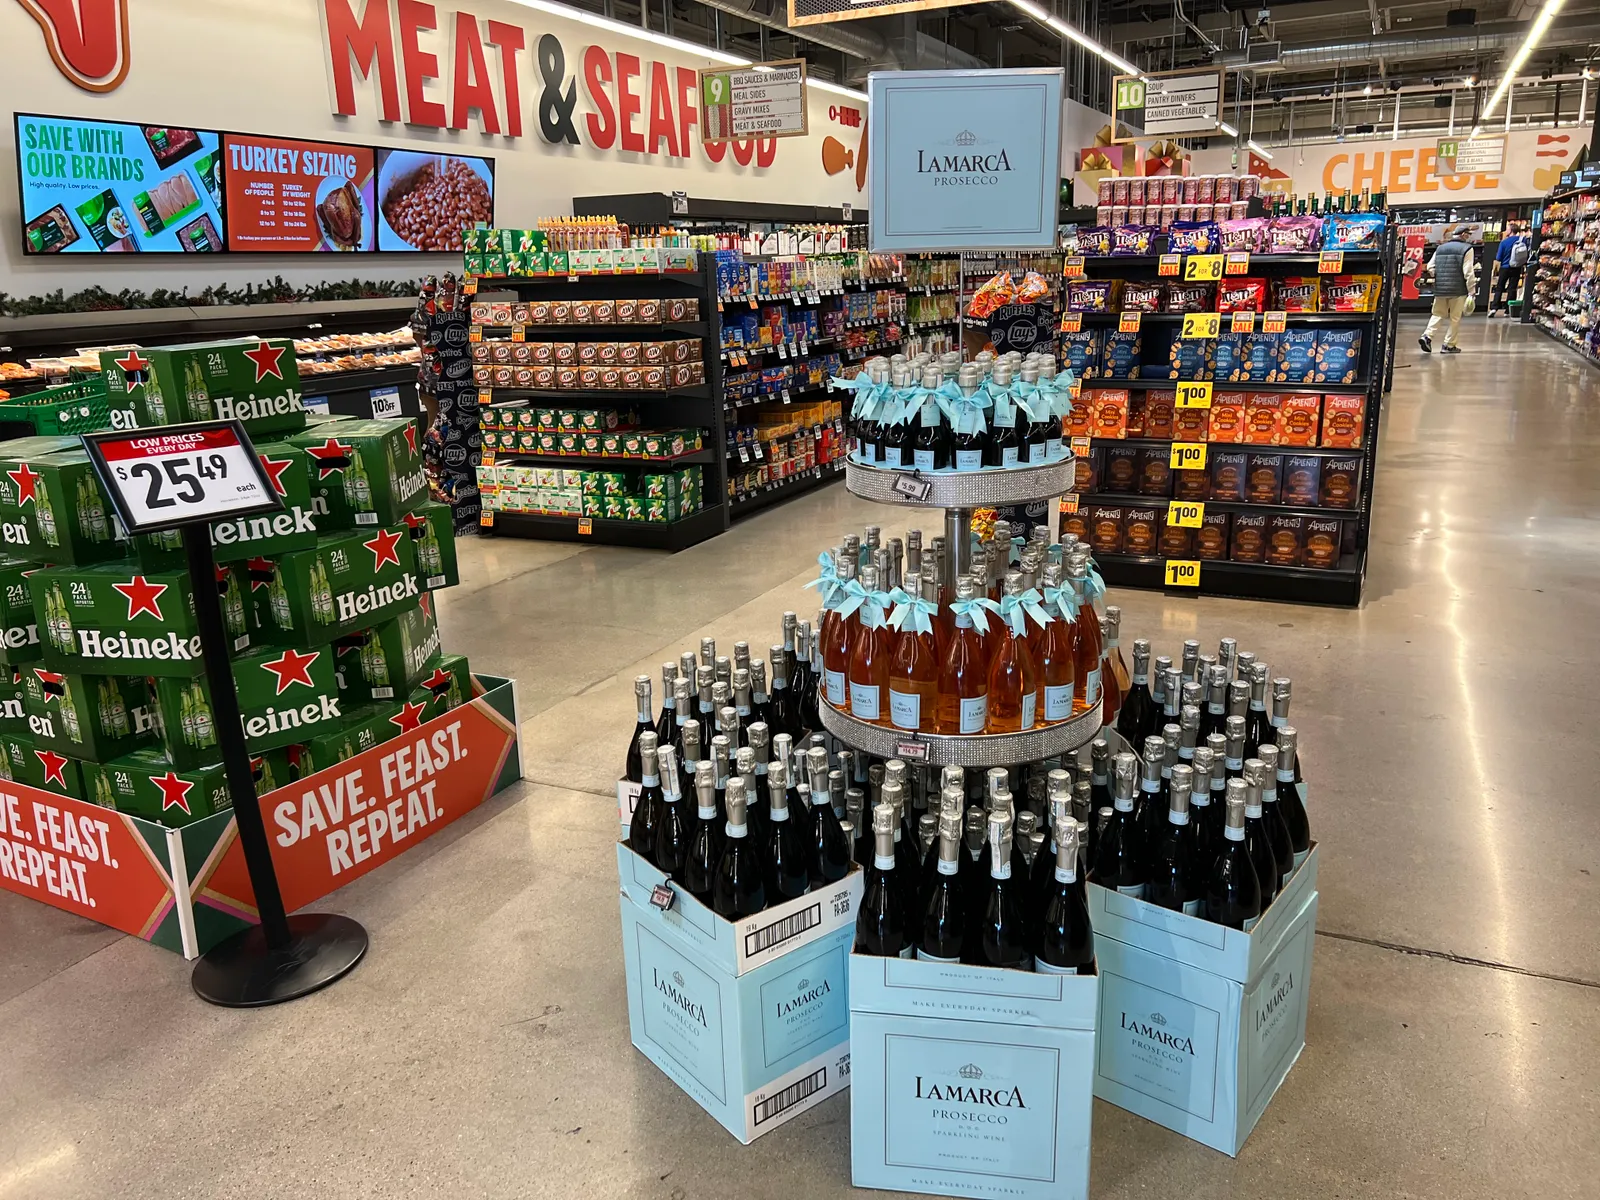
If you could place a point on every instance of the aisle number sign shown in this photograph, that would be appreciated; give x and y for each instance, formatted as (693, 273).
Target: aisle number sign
(1202, 268)
(1186, 514)
(1183, 572)
(765, 102)
(1202, 325)
(1194, 395)
(1187, 456)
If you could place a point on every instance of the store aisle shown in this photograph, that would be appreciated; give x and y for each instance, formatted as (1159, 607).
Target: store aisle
(482, 1049)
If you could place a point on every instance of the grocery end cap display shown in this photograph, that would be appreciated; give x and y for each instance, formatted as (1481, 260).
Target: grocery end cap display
(181, 475)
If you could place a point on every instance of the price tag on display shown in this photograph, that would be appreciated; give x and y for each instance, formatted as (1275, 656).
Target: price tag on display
(1274, 322)
(1243, 322)
(783, 349)
(1080, 447)
(1330, 262)
(1194, 395)
(1071, 322)
(181, 474)
(1129, 322)
(585, 526)
(1183, 572)
(1236, 262)
(485, 395)
(1202, 325)
(486, 518)
(912, 751)
(475, 334)
(1186, 514)
(385, 402)
(469, 286)
(1202, 268)
(914, 487)
(1072, 267)
(1187, 456)
(1169, 264)
(1069, 502)
(519, 333)
(786, 396)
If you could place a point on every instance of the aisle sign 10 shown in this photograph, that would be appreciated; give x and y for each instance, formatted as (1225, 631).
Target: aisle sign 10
(1202, 325)
(1194, 395)
(1183, 572)
(1187, 456)
(1186, 514)
(1202, 268)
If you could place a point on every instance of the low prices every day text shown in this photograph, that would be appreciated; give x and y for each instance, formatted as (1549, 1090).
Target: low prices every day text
(358, 821)
(45, 846)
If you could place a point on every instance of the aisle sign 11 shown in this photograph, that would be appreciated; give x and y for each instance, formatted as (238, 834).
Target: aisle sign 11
(1202, 324)
(1187, 456)
(1186, 514)
(1202, 268)
(1183, 572)
(179, 475)
(1194, 395)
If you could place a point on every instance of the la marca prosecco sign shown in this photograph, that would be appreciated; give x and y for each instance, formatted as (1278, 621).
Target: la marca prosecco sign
(502, 78)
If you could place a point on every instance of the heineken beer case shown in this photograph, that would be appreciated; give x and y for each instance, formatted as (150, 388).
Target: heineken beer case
(116, 619)
(261, 536)
(347, 582)
(19, 629)
(253, 380)
(271, 770)
(13, 701)
(449, 683)
(71, 513)
(95, 717)
(390, 659)
(365, 473)
(433, 537)
(42, 767)
(143, 784)
(365, 728)
(19, 492)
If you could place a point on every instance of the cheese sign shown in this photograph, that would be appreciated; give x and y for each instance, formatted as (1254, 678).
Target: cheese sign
(181, 474)
(1187, 456)
(1202, 268)
(1194, 395)
(1183, 572)
(1202, 325)
(1186, 514)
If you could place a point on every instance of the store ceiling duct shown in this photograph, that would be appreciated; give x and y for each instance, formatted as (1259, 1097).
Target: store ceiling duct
(1500, 35)
(858, 43)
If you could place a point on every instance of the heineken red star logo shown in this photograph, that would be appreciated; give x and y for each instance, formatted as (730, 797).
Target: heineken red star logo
(409, 717)
(24, 477)
(133, 364)
(143, 596)
(54, 683)
(261, 571)
(415, 523)
(383, 546)
(438, 681)
(411, 436)
(174, 792)
(293, 667)
(332, 456)
(266, 359)
(54, 764)
(275, 467)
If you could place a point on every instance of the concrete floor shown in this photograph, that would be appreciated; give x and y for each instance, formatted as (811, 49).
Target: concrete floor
(482, 1048)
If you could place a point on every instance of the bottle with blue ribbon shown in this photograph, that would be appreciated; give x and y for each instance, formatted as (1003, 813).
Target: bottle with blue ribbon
(1087, 648)
(914, 662)
(966, 414)
(1058, 386)
(1004, 447)
(930, 444)
(839, 629)
(964, 674)
(899, 407)
(1013, 669)
(1033, 415)
(1057, 673)
(869, 652)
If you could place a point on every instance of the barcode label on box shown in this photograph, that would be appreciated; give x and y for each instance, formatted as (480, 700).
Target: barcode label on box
(800, 1090)
(768, 936)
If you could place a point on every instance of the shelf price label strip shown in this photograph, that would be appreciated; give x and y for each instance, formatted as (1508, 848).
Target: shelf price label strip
(1169, 264)
(1243, 322)
(1202, 268)
(1194, 395)
(1201, 324)
(1237, 262)
(1129, 322)
(1274, 322)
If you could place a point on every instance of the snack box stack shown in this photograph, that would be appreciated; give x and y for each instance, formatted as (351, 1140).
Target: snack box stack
(1215, 220)
(643, 494)
(101, 670)
(654, 365)
(771, 378)
(601, 433)
(497, 314)
(1289, 418)
(527, 253)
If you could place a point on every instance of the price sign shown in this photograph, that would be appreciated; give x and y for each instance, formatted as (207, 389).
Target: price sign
(1202, 268)
(385, 402)
(1080, 447)
(486, 518)
(912, 751)
(181, 474)
(1202, 325)
(1071, 322)
(1072, 267)
(1243, 322)
(1237, 262)
(1183, 572)
(1330, 262)
(585, 526)
(1187, 456)
(1129, 322)
(1069, 502)
(469, 287)
(1186, 514)
(914, 488)
(1169, 264)
(1194, 395)
(1274, 322)
(475, 334)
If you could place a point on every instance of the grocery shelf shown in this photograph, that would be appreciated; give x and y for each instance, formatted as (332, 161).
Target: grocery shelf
(964, 489)
(1125, 499)
(600, 461)
(1095, 319)
(1370, 259)
(955, 750)
(574, 332)
(1166, 385)
(648, 535)
(774, 397)
(1337, 586)
(514, 397)
(790, 349)
(1142, 443)
(783, 489)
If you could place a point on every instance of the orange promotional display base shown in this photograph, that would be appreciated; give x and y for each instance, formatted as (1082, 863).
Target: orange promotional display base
(188, 889)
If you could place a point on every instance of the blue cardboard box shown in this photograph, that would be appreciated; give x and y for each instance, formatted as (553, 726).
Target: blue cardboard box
(1338, 357)
(1189, 358)
(970, 1081)
(1297, 356)
(1199, 1025)
(1260, 357)
(1081, 352)
(754, 1038)
(1229, 362)
(1120, 358)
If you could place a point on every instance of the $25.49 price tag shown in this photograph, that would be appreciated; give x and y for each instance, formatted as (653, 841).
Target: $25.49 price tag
(1183, 572)
(181, 474)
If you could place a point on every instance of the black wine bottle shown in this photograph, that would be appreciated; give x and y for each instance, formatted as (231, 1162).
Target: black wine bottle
(739, 886)
(1289, 801)
(705, 847)
(1004, 448)
(1189, 664)
(1233, 893)
(1214, 719)
(743, 715)
(1136, 721)
(1258, 725)
(881, 923)
(830, 849)
(1205, 824)
(666, 722)
(647, 809)
(1002, 939)
(930, 442)
(1119, 852)
(1149, 805)
(760, 698)
(944, 919)
(1256, 840)
(806, 688)
(1058, 808)
(1233, 748)
(674, 829)
(1280, 720)
(907, 866)
(784, 713)
(1172, 879)
(1271, 815)
(785, 856)
(1065, 942)
(646, 723)
(969, 440)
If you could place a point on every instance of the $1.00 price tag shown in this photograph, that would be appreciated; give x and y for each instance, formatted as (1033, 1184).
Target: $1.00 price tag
(1202, 268)
(180, 474)
(1187, 456)
(1186, 514)
(1183, 572)
(1194, 395)
(1202, 325)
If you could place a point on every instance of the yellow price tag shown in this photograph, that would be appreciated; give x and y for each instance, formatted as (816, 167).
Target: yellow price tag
(1202, 268)
(1243, 322)
(1169, 264)
(486, 517)
(1071, 322)
(1194, 395)
(1072, 267)
(1129, 322)
(1237, 263)
(1187, 456)
(1202, 325)
(1080, 447)
(1274, 322)
(475, 334)
(1069, 502)
(1330, 262)
(469, 286)
(485, 395)
(519, 333)
(1183, 572)
(1186, 514)
(585, 526)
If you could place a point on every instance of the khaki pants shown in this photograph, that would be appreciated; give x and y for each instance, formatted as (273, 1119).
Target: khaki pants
(1449, 308)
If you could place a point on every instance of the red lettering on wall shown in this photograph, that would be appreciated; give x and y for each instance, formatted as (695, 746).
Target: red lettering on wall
(469, 78)
(742, 149)
(766, 151)
(661, 125)
(715, 151)
(628, 102)
(362, 45)
(510, 42)
(688, 108)
(602, 122)
(415, 16)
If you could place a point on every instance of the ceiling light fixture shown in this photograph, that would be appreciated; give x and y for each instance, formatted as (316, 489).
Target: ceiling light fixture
(1067, 31)
(1259, 149)
(1227, 129)
(1536, 32)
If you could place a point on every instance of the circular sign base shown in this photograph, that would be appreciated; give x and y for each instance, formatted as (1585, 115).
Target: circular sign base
(244, 972)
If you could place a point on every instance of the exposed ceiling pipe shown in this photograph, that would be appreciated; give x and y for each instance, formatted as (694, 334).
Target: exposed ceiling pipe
(858, 43)
(1500, 35)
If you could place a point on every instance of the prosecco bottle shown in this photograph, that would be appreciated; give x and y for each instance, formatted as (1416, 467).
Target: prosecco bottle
(645, 724)
(1204, 820)
(1173, 881)
(963, 705)
(785, 854)
(1280, 721)
(1137, 720)
(1002, 937)
(1065, 941)
(1271, 815)
(1119, 854)
(647, 810)
(1149, 806)
(673, 829)
(1233, 893)
(944, 911)
(739, 887)
(830, 849)
(881, 925)
(705, 847)
(930, 443)
(1289, 802)
(1256, 841)
(667, 722)
(1258, 725)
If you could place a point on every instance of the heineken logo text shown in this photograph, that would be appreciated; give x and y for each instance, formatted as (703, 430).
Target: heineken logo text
(276, 720)
(92, 643)
(255, 408)
(255, 529)
(354, 604)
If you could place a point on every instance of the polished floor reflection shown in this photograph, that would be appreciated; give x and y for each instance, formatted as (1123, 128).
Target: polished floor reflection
(482, 1049)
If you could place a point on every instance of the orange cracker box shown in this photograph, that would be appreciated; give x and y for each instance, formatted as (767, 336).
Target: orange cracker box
(1079, 421)
(1298, 417)
(1191, 424)
(1343, 420)
(1158, 410)
(1261, 416)
(1227, 417)
(1111, 413)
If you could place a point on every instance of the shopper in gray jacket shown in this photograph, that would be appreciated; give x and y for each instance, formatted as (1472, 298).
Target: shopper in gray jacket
(1453, 277)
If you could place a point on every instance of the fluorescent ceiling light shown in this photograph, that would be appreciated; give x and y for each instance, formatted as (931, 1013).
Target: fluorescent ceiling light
(1227, 129)
(1259, 149)
(1536, 32)
(659, 39)
(1067, 31)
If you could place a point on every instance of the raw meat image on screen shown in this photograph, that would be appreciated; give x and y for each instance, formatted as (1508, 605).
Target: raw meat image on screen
(167, 201)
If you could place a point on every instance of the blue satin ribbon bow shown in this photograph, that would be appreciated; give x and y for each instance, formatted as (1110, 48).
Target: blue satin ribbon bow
(1015, 611)
(827, 582)
(913, 609)
(1063, 600)
(978, 609)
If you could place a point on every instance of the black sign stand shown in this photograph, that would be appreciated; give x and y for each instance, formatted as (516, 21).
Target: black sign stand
(284, 957)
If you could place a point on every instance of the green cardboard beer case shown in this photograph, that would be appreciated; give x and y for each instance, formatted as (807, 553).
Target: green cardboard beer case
(13, 701)
(19, 629)
(144, 784)
(71, 512)
(243, 538)
(271, 770)
(433, 537)
(19, 477)
(367, 726)
(253, 380)
(367, 473)
(347, 582)
(445, 688)
(42, 767)
(118, 619)
(94, 717)
(388, 660)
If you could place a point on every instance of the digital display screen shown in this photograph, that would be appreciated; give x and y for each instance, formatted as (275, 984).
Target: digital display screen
(302, 197)
(426, 200)
(102, 187)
